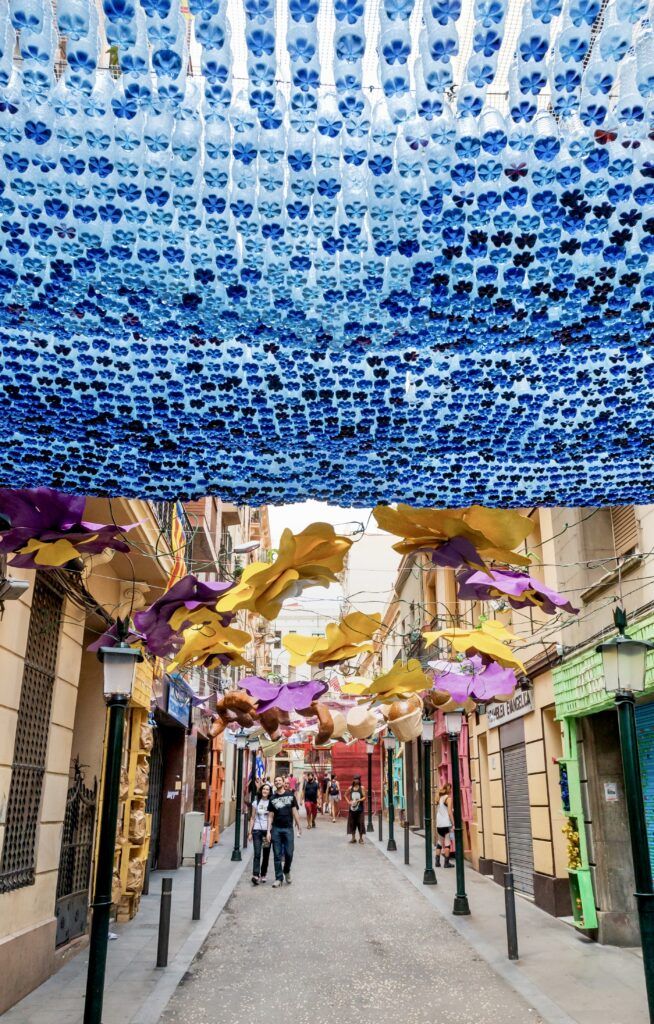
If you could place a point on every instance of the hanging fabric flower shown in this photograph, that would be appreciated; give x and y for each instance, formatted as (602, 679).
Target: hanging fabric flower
(399, 681)
(185, 604)
(295, 696)
(471, 678)
(345, 639)
(44, 528)
(212, 643)
(307, 559)
(490, 641)
(520, 590)
(464, 535)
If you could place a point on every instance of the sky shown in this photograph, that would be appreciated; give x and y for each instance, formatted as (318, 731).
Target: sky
(297, 517)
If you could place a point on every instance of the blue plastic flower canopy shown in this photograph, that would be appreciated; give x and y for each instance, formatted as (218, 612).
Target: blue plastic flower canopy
(411, 262)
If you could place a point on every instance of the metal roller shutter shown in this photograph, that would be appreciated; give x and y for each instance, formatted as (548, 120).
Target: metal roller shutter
(518, 818)
(645, 733)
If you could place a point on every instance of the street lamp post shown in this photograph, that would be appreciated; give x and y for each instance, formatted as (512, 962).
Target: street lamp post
(623, 661)
(119, 665)
(389, 744)
(429, 875)
(370, 749)
(453, 724)
(241, 743)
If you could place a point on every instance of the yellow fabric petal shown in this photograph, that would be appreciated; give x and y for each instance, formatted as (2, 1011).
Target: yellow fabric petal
(400, 679)
(53, 553)
(353, 688)
(301, 648)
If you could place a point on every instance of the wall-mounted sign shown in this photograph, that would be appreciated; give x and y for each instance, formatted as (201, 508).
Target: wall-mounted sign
(179, 703)
(506, 710)
(611, 792)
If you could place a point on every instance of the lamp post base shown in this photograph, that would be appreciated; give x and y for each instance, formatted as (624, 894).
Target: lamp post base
(236, 855)
(392, 845)
(429, 877)
(461, 907)
(370, 827)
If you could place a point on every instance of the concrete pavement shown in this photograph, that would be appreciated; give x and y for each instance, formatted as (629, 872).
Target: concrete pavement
(567, 977)
(350, 939)
(136, 992)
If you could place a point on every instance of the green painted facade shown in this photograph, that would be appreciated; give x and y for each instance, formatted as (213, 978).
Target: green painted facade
(579, 683)
(578, 691)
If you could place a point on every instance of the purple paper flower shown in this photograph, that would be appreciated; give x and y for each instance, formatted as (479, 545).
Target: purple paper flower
(163, 636)
(110, 639)
(457, 552)
(520, 589)
(295, 696)
(471, 678)
(45, 528)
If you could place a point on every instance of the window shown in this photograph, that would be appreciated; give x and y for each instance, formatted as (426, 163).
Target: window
(625, 529)
(32, 728)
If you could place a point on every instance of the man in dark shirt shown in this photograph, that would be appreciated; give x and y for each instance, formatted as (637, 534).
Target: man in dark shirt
(310, 796)
(282, 812)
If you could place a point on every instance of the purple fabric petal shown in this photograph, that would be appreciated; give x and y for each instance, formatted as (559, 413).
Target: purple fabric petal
(259, 688)
(41, 513)
(294, 696)
(455, 553)
(521, 590)
(110, 639)
(472, 678)
(190, 593)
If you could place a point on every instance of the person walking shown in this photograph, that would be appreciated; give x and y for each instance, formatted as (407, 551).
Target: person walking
(324, 798)
(334, 793)
(310, 797)
(356, 796)
(444, 821)
(258, 833)
(282, 813)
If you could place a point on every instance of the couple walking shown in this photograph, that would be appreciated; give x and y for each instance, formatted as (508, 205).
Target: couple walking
(271, 824)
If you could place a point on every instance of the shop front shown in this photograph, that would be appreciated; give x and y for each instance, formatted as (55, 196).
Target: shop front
(172, 718)
(517, 819)
(600, 865)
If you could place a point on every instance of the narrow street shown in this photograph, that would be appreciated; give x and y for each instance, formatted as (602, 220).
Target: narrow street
(350, 939)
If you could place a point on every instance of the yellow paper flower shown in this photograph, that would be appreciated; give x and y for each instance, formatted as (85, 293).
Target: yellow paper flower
(342, 640)
(399, 681)
(307, 559)
(491, 639)
(52, 553)
(211, 641)
(493, 532)
(355, 686)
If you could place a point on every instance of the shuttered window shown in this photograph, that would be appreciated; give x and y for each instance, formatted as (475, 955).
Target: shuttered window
(625, 529)
(18, 861)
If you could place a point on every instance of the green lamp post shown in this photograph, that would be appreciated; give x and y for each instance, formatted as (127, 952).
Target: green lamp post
(389, 745)
(454, 724)
(429, 875)
(623, 661)
(119, 664)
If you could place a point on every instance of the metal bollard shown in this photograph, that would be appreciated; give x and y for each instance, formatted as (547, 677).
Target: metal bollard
(197, 887)
(164, 921)
(381, 826)
(511, 925)
(145, 891)
(407, 837)
(245, 830)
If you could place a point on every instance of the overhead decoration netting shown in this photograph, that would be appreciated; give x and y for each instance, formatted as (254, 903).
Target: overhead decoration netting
(346, 249)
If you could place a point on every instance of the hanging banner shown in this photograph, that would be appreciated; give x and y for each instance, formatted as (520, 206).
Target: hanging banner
(506, 710)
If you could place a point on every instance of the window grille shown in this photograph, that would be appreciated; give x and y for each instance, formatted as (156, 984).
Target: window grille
(32, 728)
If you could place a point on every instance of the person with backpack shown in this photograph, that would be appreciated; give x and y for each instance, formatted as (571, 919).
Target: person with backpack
(355, 797)
(334, 794)
(444, 825)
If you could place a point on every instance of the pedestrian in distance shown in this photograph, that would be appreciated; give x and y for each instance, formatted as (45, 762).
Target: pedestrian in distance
(292, 783)
(282, 813)
(334, 793)
(444, 823)
(324, 798)
(258, 833)
(310, 797)
(355, 797)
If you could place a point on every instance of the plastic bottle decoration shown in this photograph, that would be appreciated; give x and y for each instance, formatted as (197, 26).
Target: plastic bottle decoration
(374, 255)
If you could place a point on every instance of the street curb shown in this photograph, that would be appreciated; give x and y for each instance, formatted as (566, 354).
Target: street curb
(508, 970)
(171, 976)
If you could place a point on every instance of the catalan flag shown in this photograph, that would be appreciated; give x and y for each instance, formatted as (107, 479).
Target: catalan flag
(178, 547)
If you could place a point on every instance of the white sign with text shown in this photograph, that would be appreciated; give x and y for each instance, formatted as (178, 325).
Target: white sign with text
(506, 710)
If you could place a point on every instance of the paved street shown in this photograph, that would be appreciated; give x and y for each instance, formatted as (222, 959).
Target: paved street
(351, 939)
